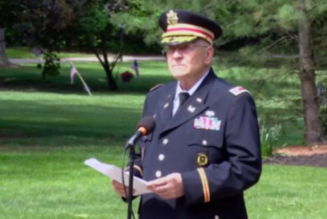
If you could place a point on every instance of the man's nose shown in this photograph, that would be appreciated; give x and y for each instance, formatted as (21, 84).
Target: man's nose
(176, 54)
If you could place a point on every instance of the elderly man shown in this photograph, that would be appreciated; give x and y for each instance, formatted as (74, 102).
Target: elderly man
(205, 150)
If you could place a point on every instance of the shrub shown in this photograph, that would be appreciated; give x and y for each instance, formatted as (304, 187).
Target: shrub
(268, 138)
(51, 66)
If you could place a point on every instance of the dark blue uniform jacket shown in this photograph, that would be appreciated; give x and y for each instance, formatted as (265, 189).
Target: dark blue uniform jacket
(213, 141)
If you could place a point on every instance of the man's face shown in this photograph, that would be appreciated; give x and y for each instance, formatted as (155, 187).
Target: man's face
(188, 60)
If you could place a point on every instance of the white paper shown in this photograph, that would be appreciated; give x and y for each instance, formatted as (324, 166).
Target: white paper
(115, 173)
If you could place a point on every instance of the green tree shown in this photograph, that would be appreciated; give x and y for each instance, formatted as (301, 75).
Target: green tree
(95, 30)
(59, 25)
(39, 23)
(296, 23)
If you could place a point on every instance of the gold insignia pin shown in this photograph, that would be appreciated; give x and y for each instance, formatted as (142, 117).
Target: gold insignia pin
(166, 105)
(172, 18)
(202, 159)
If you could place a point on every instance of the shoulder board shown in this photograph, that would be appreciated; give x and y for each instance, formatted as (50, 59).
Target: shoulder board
(155, 87)
(238, 90)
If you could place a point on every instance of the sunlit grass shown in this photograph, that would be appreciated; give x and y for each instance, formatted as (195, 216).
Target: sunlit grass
(53, 182)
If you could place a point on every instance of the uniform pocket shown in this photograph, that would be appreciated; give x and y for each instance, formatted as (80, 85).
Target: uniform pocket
(206, 146)
(205, 138)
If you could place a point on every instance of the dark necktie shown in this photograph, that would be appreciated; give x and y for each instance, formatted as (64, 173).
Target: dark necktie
(182, 98)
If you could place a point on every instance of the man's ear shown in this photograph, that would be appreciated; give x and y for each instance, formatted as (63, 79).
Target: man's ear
(209, 55)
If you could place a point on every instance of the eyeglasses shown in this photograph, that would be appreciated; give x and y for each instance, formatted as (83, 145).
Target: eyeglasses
(182, 49)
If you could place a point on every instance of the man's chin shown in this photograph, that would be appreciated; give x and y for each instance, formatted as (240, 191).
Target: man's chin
(179, 71)
(179, 75)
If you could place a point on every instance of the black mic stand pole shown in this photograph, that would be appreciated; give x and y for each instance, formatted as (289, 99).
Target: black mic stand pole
(131, 146)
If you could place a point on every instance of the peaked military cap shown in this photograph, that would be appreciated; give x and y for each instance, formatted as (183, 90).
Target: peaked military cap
(182, 26)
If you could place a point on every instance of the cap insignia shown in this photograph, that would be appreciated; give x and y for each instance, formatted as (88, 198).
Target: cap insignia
(172, 18)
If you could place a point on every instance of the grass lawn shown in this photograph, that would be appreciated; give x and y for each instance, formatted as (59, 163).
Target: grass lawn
(48, 128)
(53, 182)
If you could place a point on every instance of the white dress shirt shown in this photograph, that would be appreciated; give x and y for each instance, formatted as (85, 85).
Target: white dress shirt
(190, 92)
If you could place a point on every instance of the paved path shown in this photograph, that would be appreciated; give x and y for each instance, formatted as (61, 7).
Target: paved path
(89, 59)
(111, 58)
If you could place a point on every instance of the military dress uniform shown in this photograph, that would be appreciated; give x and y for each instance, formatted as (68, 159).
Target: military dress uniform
(210, 136)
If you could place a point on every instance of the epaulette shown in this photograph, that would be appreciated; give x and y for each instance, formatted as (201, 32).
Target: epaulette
(238, 90)
(155, 87)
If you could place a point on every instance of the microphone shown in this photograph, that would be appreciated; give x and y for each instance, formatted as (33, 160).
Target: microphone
(145, 126)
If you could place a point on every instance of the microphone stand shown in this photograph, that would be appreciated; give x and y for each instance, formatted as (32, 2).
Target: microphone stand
(131, 146)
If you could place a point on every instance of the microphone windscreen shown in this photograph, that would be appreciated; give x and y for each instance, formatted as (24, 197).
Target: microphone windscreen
(148, 123)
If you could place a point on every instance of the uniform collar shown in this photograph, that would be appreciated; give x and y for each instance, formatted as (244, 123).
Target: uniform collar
(192, 107)
(193, 88)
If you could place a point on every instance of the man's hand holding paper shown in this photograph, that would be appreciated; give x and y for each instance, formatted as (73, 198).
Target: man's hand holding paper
(115, 173)
(119, 188)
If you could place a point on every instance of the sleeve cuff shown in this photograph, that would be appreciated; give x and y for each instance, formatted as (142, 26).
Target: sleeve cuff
(205, 184)
(137, 171)
(196, 187)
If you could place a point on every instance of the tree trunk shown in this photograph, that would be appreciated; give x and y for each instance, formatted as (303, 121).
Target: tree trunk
(3, 56)
(105, 64)
(111, 81)
(313, 127)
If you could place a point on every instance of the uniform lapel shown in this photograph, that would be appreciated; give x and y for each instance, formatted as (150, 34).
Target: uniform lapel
(193, 106)
(166, 104)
